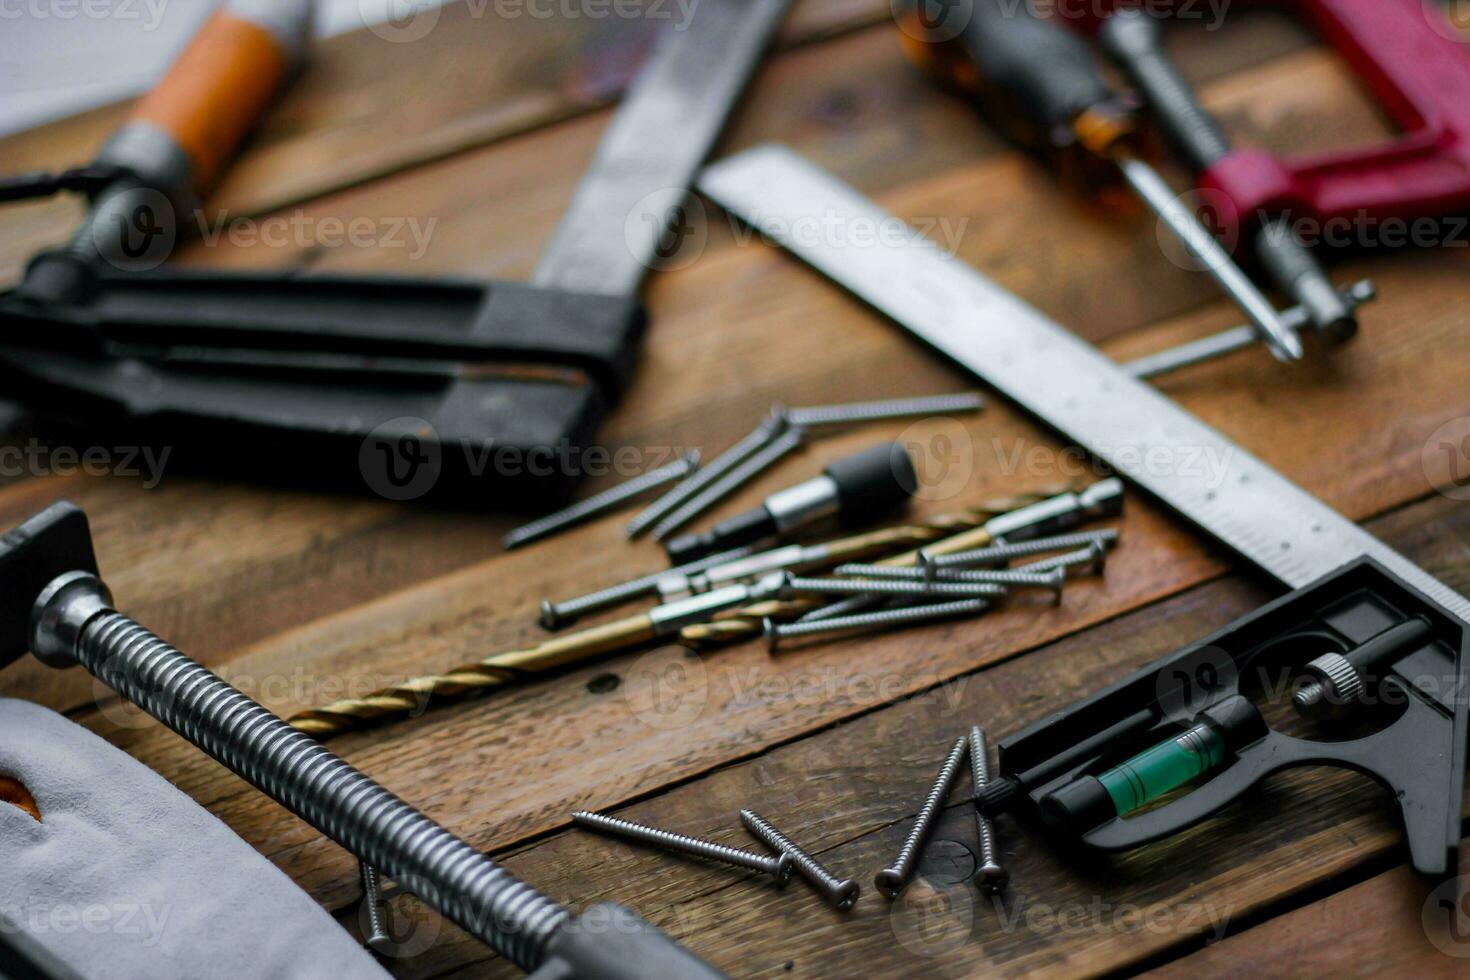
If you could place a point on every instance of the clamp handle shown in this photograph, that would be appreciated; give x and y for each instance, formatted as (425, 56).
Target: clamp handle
(1420, 74)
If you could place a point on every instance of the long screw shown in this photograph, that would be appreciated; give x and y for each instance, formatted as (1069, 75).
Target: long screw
(1051, 579)
(991, 877)
(377, 937)
(842, 607)
(908, 590)
(1004, 554)
(892, 879)
(75, 620)
(779, 867)
(601, 503)
(773, 426)
(1091, 560)
(885, 411)
(840, 893)
(776, 633)
(757, 463)
(556, 615)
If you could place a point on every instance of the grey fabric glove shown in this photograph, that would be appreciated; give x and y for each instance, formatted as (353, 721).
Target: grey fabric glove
(124, 876)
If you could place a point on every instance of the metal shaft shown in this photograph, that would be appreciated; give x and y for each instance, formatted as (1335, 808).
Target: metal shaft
(779, 867)
(375, 928)
(601, 503)
(840, 893)
(891, 880)
(776, 632)
(991, 877)
(757, 463)
(1091, 560)
(1003, 554)
(1144, 179)
(450, 875)
(910, 590)
(773, 426)
(556, 615)
(1051, 579)
(884, 411)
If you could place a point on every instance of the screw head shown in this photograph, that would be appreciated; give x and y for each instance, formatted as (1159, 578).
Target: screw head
(846, 895)
(771, 633)
(785, 868)
(889, 882)
(991, 878)
(550, 617)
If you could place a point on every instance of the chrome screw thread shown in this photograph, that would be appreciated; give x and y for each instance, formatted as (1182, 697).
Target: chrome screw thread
(467, 887)
(1004, 554)
(839, 893)
(891, 880)
(718, 468)
(779, 867)
(375, 928)
(890, 588)
(768, 455)
(601, 503)
(555, 615)
(991, 877)
(776, 633)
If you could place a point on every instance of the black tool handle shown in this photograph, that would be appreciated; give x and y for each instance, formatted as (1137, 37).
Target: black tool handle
(1135, 41)
(1044, 74)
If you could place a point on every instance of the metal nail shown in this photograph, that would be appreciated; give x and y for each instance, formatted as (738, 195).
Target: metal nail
(892, 879)
(601, 503)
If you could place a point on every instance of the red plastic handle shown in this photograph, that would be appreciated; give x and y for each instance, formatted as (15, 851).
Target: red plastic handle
(1422, 77)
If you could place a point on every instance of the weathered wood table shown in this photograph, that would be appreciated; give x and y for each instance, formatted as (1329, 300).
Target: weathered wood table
(478, 131)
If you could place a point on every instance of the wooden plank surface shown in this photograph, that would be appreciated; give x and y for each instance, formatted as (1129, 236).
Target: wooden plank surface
(302, 597)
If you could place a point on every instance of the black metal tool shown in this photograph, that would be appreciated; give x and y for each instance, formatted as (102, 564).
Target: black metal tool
(459, 387)
(1102, 771)
(853, 490)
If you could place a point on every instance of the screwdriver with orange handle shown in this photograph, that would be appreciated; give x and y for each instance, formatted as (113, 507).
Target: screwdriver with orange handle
(1040, 84)
(180, 136)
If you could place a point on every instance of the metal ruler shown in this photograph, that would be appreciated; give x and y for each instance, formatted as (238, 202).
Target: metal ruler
(1144, 436)
(612, 231)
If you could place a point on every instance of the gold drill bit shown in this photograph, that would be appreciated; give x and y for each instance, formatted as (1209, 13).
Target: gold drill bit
(696, 619)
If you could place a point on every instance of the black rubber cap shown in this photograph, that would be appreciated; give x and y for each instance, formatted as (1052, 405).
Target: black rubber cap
(1078, 807)
(873, 482)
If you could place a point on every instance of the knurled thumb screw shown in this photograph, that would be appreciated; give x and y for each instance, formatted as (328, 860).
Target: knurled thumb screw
(891, 880)
(840, 893)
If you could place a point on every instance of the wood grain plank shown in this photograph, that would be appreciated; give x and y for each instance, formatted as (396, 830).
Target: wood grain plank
(848, 793)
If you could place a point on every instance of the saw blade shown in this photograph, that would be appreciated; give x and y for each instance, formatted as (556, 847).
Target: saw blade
(1144, 436)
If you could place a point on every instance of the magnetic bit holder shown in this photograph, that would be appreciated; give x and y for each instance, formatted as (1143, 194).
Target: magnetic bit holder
(53, 603)
(1189, 721)
(854, 490)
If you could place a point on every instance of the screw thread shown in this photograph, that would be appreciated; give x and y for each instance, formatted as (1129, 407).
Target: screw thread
(376, 932)
(598, 503)
(877, 620)
(920, 590)
(883, 411)
(1004, 553)
(991, 875)
(670, 841)
(715, 470)
(893, 877)
(452, 877)
(839, 892)
(757, 462)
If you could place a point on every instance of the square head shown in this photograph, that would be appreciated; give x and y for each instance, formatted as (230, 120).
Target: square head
(56, 541)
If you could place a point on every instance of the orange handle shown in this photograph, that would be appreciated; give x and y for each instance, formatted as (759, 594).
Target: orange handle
(220, 86)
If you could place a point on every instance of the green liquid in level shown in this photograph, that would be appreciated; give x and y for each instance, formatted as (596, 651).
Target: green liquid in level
(1168, 765)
